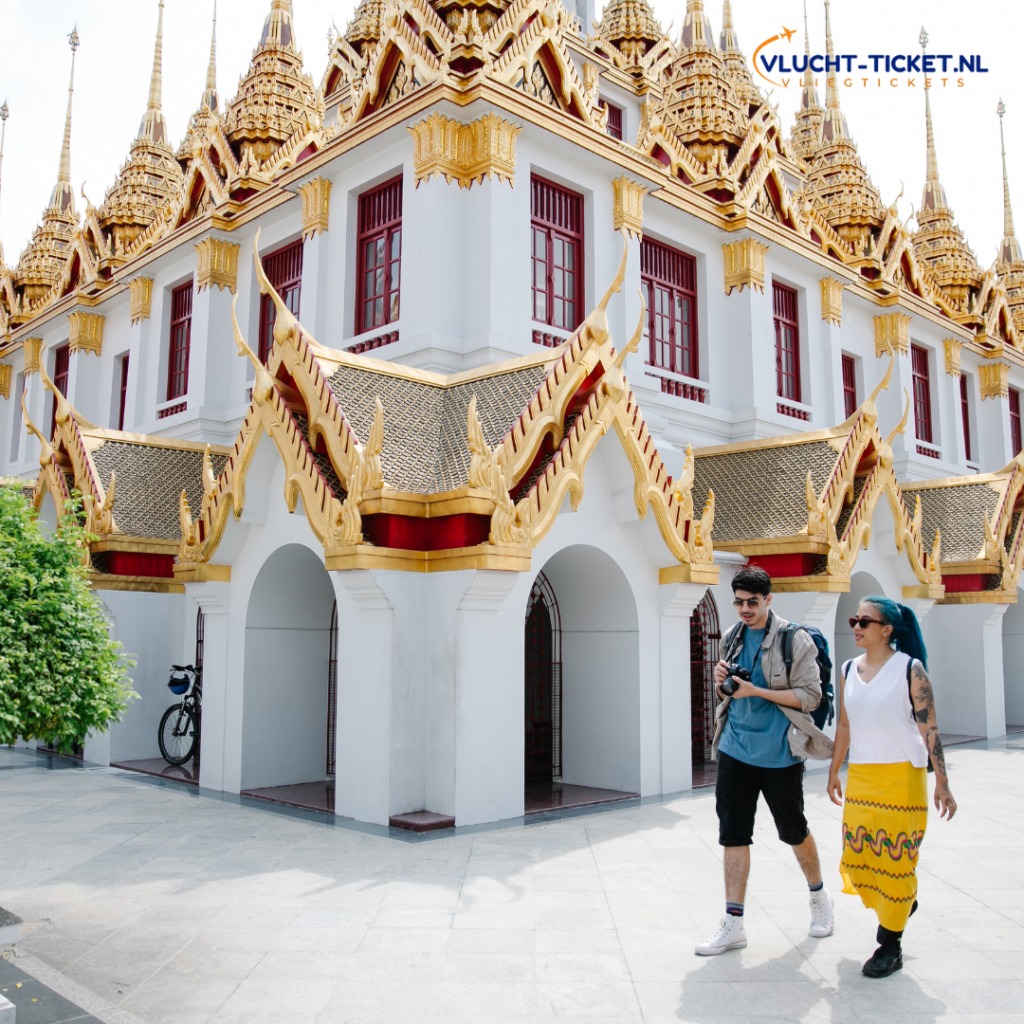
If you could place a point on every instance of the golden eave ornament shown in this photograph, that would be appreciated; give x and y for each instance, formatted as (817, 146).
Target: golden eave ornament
(466, 153)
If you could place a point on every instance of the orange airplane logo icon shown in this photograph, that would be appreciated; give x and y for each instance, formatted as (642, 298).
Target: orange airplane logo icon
(786, 34)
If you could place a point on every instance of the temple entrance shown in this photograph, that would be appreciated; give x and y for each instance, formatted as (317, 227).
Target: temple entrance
(543, 685)
(581, 684)
(290, 683)
(705, 633)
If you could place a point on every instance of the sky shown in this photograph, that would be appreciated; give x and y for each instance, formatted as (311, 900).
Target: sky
(115, 61)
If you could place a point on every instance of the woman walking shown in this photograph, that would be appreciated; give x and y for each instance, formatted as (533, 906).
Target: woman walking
(887, 723)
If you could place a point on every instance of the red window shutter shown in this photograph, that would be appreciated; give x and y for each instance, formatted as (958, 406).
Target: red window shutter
(284, 271)
(787, 343)
(379, 257)
(61, 369)
(922, 393)
(556, 254)
(669, 281)
(1015, 434)
(849, 385)
(124, 392)
(965, 414)
(614, 126)
(181, 340)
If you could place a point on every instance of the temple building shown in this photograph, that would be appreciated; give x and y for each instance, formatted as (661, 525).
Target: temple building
(431, 399)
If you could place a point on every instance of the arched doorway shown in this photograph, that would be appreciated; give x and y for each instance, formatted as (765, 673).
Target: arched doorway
(705, 633)
(543, 685)
(581, 683)
(289, 648)
(862, 584)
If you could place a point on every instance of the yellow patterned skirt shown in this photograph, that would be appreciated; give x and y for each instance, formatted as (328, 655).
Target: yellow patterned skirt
(884, 818)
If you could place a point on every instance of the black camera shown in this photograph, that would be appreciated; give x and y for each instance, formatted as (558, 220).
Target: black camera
(730, 686)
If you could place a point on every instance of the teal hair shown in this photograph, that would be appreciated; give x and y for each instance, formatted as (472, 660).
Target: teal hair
(906, 630)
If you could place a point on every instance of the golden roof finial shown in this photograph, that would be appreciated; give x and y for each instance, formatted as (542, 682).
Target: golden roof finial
(4, 114)
(1009, 250)
(833, 126)
(934, 197)
(153, 125)
(278, 29)
(809, 97)
(696, 28)
(210, 98)
(728, 41)
(63, 197)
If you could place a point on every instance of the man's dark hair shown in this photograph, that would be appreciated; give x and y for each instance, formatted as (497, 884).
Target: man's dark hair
(753, 580)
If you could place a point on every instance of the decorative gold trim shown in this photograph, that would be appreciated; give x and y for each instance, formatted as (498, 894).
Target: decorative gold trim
(138, 584)
(995, 381)
(484, 556)
(832, 300)
(687, 573)
(466, 152)
(952, 347)
(5, 379)
(316, 206)
(33, 348)
(217, 264)
(141, 298)
(744, 264)
(86, 332)
(628, 206)
(892, 331)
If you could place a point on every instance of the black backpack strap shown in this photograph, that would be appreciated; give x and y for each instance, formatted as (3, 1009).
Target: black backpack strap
(845, 670)
(734, 642)
(787, 632)
(910, 685)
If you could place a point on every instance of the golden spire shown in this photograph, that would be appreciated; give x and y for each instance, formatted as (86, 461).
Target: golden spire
(210, 98)
(728, 41)
(1009, 250)
(934, 196)
(809, 98)
(833, 126)
(278, 30)
(64, 174)
(4, 114)
(153, 126)
(697, 33)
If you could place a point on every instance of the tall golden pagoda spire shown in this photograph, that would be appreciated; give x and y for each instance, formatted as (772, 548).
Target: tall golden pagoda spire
(150, 178)
(938, 241)
(696, 32)
(4, 114)
(736, 69)
(42, 263)
(628, 25)
(807, 130)
(833, 125)
(1009, 249)
(210, 98)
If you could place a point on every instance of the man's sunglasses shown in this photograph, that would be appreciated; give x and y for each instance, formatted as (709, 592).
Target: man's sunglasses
(863, 622)
(750, 602)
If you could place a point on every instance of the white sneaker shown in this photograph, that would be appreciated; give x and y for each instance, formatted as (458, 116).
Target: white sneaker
(730, 935)
(822, 922)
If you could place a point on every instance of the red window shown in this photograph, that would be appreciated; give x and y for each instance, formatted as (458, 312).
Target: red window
(61, 366)
(380, 256)
(614, 126)
(849, 385)
(669, 280)
(1015, 438)
(965, 413)
(922, 393)
(124, 392)
(787, 343)
(181, 340)
(557, 232)
(284, 271)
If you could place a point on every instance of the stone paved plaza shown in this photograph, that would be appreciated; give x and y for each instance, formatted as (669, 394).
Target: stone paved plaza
(177, 908)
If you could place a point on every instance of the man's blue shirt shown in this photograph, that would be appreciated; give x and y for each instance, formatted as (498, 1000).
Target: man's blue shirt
(756, 730)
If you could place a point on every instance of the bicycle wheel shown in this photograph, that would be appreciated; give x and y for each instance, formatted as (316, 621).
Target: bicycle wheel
(178, 734)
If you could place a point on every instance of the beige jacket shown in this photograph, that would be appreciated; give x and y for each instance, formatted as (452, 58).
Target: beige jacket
(806, 740)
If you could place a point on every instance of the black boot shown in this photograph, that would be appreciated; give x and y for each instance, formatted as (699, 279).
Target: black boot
(880, 934)
(888, 958)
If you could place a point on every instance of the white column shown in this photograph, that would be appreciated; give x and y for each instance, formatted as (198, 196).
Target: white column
(678, 605)
(995, 688)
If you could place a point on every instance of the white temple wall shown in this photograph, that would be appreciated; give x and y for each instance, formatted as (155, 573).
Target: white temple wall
(1013, 663)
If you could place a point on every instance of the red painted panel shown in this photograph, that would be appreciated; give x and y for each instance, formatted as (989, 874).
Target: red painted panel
(969, 584)
(799, 564)
(133, 563)
(386, 530)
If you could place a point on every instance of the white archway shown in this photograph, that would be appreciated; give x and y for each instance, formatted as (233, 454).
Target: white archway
(287, 653)
(861, 585)
(600, 654)
(1013, 666)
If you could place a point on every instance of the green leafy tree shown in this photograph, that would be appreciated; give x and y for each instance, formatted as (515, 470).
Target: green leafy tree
(61, 675)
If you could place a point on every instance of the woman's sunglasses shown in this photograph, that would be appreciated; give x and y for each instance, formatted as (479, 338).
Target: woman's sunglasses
(863, 622)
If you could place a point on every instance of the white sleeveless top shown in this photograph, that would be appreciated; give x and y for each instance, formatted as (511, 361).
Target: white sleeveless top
(882, 727)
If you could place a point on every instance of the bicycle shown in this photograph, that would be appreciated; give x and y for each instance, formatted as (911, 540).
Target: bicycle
(180, 725)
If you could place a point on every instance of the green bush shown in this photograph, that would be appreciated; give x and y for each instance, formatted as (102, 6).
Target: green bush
(61, 675)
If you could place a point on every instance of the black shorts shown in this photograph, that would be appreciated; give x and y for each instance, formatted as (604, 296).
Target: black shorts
(740, 784)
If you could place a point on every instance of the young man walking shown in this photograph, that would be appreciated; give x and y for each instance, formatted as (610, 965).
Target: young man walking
(763, 732)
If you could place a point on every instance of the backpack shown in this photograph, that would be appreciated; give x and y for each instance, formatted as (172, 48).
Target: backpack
(825, 711)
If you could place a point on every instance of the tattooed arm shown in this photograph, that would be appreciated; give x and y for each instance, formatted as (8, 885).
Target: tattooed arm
(923, 697)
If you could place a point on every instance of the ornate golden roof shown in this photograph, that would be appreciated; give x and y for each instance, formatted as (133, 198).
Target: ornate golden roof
(1010, 264)
(42, 263)
(275, 99)
(151, 178)
(736, 69)
(701, 106)
(632, 29)
(364, 28)
(837, 183)
(208, 112)
(803, 141)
